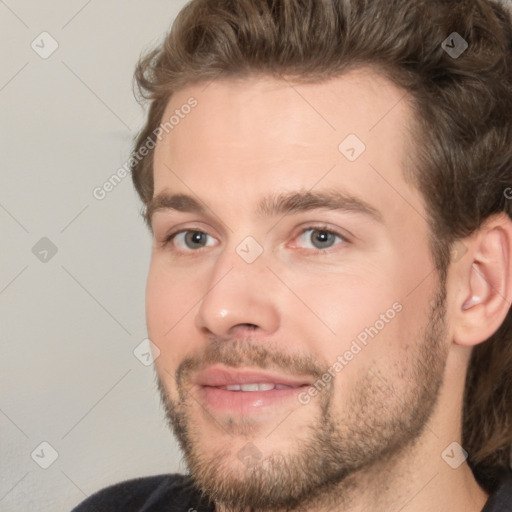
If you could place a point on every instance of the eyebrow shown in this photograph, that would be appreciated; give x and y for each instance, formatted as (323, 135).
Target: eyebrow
(274, 205)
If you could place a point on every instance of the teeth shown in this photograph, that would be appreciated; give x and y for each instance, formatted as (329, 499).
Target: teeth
(265, 386)
(249, 387)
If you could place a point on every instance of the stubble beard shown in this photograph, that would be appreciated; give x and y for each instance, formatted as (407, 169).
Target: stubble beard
(321, 472)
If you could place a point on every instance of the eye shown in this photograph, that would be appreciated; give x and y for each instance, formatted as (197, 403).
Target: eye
(320, 237)
(188, 239)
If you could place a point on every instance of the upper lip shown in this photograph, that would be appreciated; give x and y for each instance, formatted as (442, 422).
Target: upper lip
(217, 376)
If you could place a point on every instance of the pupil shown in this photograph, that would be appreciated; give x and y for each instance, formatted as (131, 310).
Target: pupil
(323, 237)
(196, 237)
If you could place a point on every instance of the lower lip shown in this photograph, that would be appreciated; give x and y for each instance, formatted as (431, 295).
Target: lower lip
(246, 402)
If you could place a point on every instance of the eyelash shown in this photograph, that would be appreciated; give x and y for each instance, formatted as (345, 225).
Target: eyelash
(322, 228)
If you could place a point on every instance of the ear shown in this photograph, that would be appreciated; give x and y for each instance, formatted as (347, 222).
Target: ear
(482, 280)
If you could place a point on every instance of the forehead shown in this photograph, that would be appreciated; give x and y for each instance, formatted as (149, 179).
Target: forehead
(279, 135)
(356, 102)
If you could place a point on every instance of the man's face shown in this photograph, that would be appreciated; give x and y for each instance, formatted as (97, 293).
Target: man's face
(336, 314)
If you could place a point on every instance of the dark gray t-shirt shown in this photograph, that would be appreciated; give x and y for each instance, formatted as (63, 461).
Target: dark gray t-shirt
(176, 493)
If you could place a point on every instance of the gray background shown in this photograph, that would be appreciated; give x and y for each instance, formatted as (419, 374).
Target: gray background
(70, 323)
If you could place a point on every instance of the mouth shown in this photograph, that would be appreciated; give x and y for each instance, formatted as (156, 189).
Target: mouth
(245, 392)
(263, 386)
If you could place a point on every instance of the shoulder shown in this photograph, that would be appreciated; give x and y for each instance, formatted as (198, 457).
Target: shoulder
(500, 500)
(146, 494)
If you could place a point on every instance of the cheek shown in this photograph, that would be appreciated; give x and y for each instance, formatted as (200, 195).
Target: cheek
(158, 305)
(341, 305)
(169, 309)
(170, 296)
(369, 319)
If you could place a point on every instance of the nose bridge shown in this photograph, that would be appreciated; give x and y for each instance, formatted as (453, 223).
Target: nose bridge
(239, 290)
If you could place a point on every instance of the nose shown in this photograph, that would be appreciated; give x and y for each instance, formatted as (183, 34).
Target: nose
(240, 297)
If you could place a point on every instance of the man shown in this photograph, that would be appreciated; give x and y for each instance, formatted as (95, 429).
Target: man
(340, 337)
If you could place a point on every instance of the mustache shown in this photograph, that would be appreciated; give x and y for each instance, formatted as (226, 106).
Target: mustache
(248, 352)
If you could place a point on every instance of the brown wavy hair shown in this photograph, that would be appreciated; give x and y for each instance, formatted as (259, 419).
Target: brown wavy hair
(463, 114)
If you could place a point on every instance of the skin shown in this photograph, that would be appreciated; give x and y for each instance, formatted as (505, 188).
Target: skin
(378, 431)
